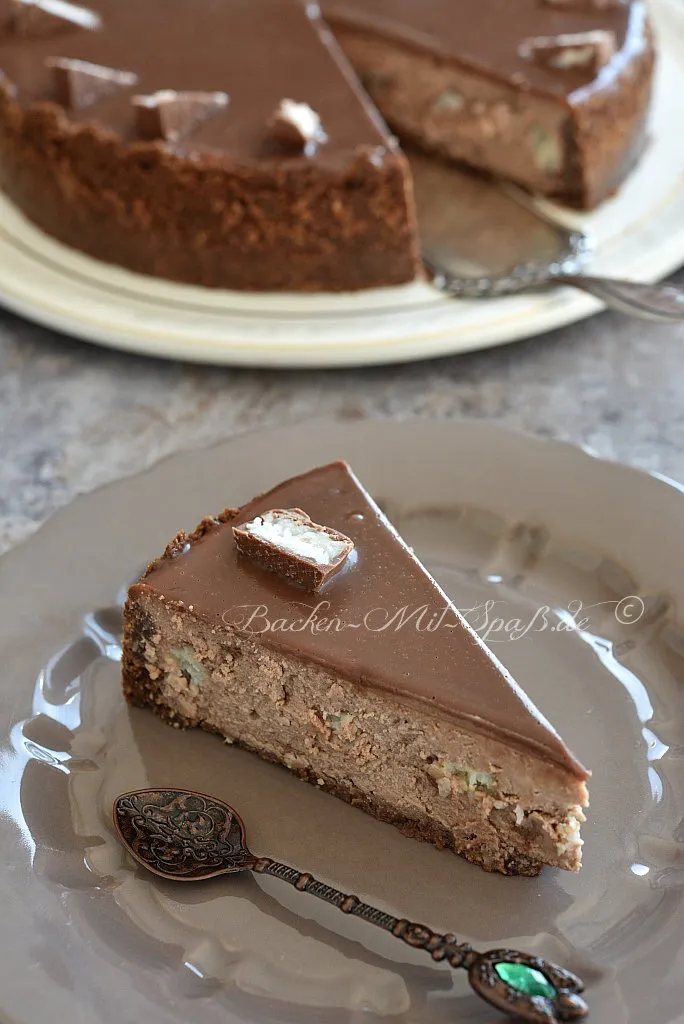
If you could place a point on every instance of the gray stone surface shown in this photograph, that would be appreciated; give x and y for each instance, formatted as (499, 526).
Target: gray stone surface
(73, 416)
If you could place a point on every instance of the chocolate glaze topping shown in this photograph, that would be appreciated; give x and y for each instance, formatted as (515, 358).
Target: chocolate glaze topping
(262, 52)
(447, 668)
(258, 52)
(486, 34)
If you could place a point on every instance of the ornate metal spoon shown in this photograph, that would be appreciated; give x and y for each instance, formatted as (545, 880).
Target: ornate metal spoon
(484, 239)
(188, 837)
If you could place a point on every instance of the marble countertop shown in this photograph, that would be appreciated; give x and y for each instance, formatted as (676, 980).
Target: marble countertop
(73, 416)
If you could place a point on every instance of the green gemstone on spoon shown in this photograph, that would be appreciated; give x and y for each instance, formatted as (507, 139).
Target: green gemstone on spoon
(525, 979)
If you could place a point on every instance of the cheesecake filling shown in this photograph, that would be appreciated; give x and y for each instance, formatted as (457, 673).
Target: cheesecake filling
(498, 806)
(456, 113)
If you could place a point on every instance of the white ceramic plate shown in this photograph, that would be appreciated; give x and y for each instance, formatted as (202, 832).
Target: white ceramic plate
(639, 234)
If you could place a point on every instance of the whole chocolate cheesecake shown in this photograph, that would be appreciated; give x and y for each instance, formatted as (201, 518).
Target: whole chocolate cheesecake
(302, 627)
(231, 143)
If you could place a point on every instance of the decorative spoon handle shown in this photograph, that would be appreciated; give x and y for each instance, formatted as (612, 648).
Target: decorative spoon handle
(533, 989)
(189, 837)
(661, 303)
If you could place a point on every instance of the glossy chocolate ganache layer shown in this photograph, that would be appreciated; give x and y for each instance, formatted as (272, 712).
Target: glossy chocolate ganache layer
(258, 52)
(381, 586)
(487, 34)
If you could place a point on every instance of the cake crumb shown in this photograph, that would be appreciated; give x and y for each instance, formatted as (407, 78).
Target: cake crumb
(443, 786)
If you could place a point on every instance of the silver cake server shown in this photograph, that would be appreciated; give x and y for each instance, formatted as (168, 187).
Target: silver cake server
(484, 239)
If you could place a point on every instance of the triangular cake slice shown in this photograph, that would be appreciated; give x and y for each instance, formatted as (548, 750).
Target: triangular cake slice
(371, 686)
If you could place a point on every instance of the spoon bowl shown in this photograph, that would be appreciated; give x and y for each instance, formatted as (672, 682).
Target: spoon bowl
(182, 835)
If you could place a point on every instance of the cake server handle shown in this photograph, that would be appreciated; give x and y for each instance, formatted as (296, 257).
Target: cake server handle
(661, 303)
(528, 987)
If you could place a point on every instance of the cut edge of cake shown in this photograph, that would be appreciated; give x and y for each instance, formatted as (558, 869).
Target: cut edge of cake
(576, 146)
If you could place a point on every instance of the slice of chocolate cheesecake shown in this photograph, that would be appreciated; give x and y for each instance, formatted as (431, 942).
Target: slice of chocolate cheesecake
(302, 627)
